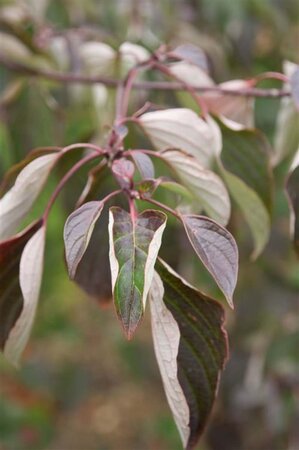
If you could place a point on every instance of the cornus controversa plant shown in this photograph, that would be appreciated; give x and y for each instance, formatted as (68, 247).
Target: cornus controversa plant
(210, 153)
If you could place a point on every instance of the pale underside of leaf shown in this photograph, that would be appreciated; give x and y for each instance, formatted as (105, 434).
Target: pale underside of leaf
(77, 233)
(18, 201)
(182, 128)
(202, 350)
(166, 337)
(206, 187)
(31, 269)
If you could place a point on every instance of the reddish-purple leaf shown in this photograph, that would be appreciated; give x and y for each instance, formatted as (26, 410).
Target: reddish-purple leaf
(124, 170)
(77, 233)
(191, 349)
(217, 250)
(144, 164)
(11, 299)
(294, 82)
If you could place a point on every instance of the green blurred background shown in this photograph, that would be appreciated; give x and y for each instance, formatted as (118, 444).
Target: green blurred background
(81, 385)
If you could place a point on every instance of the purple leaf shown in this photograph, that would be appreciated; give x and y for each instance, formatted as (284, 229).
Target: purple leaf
(124, 170)
(144, 164)
(77, 233)
(217, 250)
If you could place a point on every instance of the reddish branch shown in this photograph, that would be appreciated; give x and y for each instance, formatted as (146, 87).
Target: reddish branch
(26, 70)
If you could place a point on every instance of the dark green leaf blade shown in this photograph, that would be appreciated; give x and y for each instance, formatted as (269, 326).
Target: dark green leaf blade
(77, 233)
(191, 349)
(134, 246)
(217, 249)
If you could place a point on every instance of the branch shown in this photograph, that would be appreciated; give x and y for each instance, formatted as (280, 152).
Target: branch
(60, 77)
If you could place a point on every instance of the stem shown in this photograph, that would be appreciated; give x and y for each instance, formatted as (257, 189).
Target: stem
(162, 206)
(64, 180)
(112, 194)
(98, 149)
(133, 211)
(269, 76)
(67, 77)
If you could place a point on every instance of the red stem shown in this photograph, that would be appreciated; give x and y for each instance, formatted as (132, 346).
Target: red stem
(64, 180)
(162, 206)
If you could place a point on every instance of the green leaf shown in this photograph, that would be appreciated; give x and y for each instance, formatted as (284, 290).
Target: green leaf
(246, 170)
(206, 187)
(292, 189)
(191, 349)
(77, 233)
(134, 246)
(217, 250)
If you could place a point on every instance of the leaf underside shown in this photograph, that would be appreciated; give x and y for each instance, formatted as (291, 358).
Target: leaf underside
(202, 348)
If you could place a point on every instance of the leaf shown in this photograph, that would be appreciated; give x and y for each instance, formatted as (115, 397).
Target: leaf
(18, 201)
(217, 249)
(124, 170)
(77, 233)
(292, 189)
(184, 129)
(246, 154)
(93, 273)
(11, 301)
(13, 172)
(132, 54)
(286, 139)
(134, 246)
(191, 349)
(144, 164)
(206, 187)
(191, 54)
(31, 270)
(98, 58)
(190, 74)
(246, 170)
(294, 82)
(237, 109)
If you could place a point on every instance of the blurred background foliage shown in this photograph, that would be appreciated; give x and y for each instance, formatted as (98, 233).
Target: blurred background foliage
(81, 385)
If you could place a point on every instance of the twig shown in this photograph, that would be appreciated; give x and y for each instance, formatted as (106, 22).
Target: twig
(66, 77)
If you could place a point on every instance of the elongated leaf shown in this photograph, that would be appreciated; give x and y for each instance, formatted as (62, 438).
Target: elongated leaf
(217, 249)
(206, 187)
(13, 172)
(18, 201)
(93, 273)
(292, 189)
(31, 269)
(11, 300)
(134, 246)
(77, 233)
(294, 82)
(184, 129)
(191, 349)
(286, 139)
(144, 164)
(246, 170)
(246, 154)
